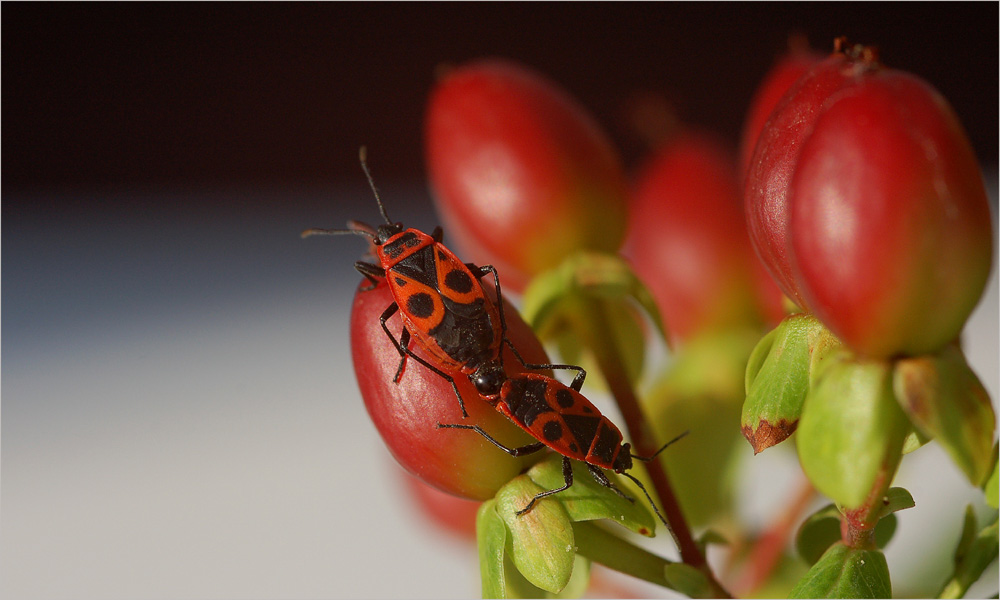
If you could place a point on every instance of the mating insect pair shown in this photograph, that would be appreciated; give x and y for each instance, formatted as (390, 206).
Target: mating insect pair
(445, 309)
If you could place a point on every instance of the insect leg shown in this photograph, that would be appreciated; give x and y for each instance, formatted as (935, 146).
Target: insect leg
(481, 272)
(567, 468)
(603, 480)
(404, 342)
(371, 272)
(519, 451)
(651, 503)
(402, 345)
(581, 374)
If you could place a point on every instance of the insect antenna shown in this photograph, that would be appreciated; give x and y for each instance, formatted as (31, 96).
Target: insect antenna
(662, 448)
(363, 156)
(318, 231)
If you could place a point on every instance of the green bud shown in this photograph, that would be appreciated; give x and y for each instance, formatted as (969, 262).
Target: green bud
(541, 540)
(777, 378)
(851, 432)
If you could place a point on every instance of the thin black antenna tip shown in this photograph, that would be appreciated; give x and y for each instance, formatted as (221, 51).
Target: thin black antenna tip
(363, 157)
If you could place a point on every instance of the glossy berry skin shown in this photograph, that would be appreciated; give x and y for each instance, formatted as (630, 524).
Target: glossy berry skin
(890, 222)
(406, 414)
(766, 198)
(521, 174)
(688, 240)
(782, 76)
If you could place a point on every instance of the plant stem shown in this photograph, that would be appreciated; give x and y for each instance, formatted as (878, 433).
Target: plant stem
(594, 327)
(616, 553)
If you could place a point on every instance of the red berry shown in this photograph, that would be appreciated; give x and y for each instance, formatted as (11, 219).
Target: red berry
(522, 175)
(406, 415)
(890, 222)
(788, 70)
(773, 163)
(688, 241)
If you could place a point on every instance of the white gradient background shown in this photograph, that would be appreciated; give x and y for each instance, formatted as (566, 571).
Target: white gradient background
(180, 417)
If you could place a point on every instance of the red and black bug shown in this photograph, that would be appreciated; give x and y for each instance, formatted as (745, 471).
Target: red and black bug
(561, 418)
(440, 299)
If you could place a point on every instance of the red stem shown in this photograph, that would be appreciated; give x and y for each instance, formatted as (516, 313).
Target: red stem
(596, 329)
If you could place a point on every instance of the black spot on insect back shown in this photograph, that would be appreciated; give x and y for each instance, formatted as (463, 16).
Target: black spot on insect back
(420, 305)
(458, 281)
(552, 431)
(526, 400)
(565, 398)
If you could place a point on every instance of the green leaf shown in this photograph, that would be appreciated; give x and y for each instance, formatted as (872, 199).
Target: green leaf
(818, 532)
(588, 500)
(778, 376)
(975, 552)
(895, 499)
(852, 430)
(603, 547)
(491, 537)
(541, 540)
(990, 486)
(946, 401)
(844, 572)
(688, 580)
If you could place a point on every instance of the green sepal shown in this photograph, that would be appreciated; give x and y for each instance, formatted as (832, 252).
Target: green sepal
(541, 540)
(588, 500)
(844, 572)
(778, 377)
(821, 529)
(895, 499)
(851, 432)
(551, 304)
(975, 552)
(990, 485)
(946, 401)
(491, 538)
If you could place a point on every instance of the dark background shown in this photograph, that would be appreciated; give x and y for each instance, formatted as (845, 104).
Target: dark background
(151, 96)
